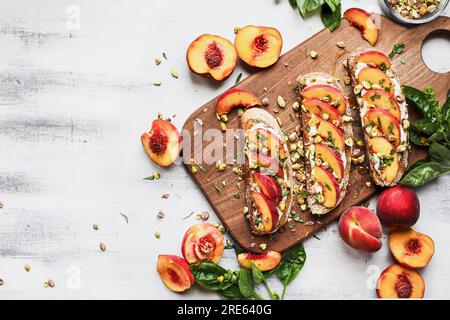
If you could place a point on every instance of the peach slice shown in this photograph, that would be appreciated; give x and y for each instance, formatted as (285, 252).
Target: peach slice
(328, 94)
(212, 55)
(383, 120)
(266, 261)
(162, 143)
(326, 154)
(329, 186)
(376, 76)
(264, 138)
(174, 272)
(384, 149)
(268, 186)
(398, 282)
(267, 162)
(361, 19)
(329, 132)
(410, 248)
(384, 100)
(374, 58)
(361, 229)
(319, 108)
(267, 209)
(202, 242)
(234, 98)
(258, 46)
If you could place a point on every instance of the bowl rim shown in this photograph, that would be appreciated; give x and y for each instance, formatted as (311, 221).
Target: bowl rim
(397, 16)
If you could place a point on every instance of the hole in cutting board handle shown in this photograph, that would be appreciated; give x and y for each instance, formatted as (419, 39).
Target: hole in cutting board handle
(435, 51)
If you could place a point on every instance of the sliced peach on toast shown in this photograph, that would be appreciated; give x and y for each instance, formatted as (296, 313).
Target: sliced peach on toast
(330, 186)
(361, 20)
(212, 55)
(162, 143)
(258, 46)
(267, 162)
(328, 132)
(374, 59)
(235, 98)
(385, 152)
(384, 100)
(267, 210)
(266, 261)
(376, 76)
(410, 248)
(328, 94)
(268, 186)
(174, 272)
(327, 155)
(385, 122)
(399, 282)
(319, 108)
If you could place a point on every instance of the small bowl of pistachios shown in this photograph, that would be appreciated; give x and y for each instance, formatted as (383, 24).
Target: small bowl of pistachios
(413, 11)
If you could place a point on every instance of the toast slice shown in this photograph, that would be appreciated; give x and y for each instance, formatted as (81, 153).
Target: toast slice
(268, 172)
(327, 137)
(384, 115)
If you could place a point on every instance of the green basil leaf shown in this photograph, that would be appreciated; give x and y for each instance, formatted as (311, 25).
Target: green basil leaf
(439, 152)
(418, 140)
(437, 136)
(258, 276)
(445, 111)
(426, 101)
(425, 126)
(231, 293)
(291, 264)
(423, 174)
(330, 19)
(207, 275)
(246, 284)
(415, 164)
(293, 3)
(330, 4)
(302, 7)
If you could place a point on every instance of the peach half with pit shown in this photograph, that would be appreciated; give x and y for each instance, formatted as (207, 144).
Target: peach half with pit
(384, 100)
(258, 46)
(330, 186)
(410, 248)
(399, 282)
(381, 147)
(328, 94)
(374, 58)
(385, 122)
(376, 76)
(362, 20)
(327, 155)
(212, 55)
(162, 143)
(268, 186)
(266, 261)
(202, 242)
(236, 98)
(318, 107)
(174, 272)
(361, 229)
(267, 210)
(328, 132)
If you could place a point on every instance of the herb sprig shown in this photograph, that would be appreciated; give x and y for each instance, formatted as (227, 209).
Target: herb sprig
(330, 10)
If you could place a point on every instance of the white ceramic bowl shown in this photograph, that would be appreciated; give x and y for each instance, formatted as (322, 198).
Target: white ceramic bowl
(390, 11)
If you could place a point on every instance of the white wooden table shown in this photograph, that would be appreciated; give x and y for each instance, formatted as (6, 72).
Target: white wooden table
(73, 103)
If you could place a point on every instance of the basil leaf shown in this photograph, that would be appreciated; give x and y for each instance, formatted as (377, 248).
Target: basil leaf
(439, 152)
(416, 164)
(330, 19)
(425, 101)
(291, 264)
(423, 174)
(418, 140)
(425, 126)
(258, 276)
(307, 6)
(231, 293)
(207, 275)
(293, 3)
(437, 136)
(246, 284)
(445, 111)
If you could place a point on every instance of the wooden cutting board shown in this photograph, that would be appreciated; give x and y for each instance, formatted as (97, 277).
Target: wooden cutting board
(280, 79)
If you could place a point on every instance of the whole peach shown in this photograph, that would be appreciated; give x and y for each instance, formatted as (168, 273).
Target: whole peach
(360, 228)
(398, 207)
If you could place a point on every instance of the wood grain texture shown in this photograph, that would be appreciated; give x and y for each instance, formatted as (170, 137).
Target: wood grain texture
(280, 80)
